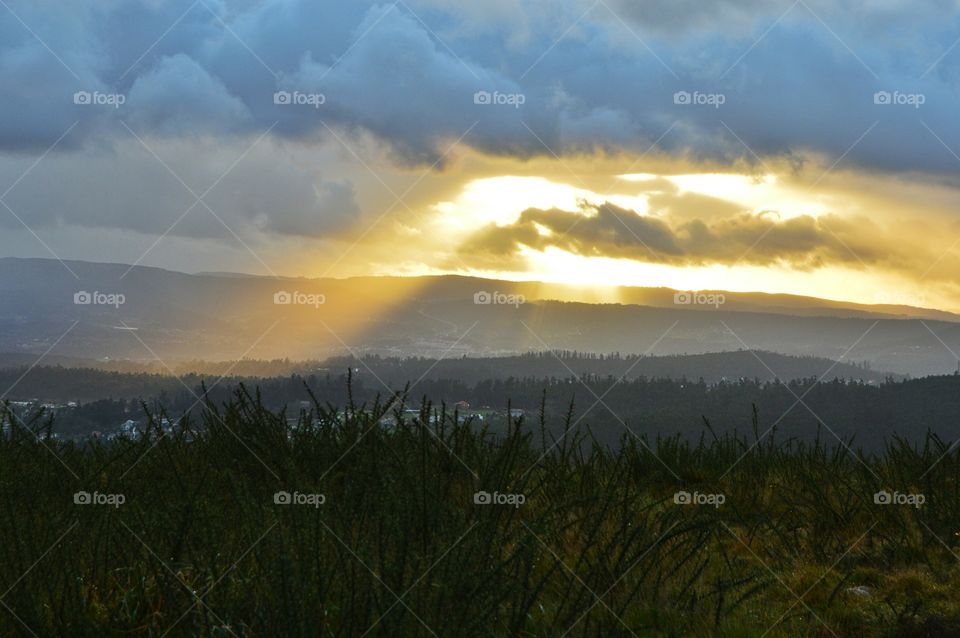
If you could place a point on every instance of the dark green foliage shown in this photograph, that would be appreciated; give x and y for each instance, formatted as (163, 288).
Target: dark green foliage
(872, 413)
(400, 548)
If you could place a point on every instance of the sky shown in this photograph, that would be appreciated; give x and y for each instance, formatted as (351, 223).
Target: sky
(806, 147)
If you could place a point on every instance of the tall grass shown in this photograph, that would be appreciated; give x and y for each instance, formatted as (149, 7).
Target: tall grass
(199, 546)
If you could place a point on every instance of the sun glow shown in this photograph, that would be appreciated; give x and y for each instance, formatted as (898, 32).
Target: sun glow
(480, 205)
(841, 284)
(501, 200)
(755, 193)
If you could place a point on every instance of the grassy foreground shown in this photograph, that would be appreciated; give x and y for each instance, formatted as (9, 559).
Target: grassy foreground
(245, 525)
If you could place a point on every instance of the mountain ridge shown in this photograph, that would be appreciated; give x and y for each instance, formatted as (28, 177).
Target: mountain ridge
(158, 314)
(657, 296)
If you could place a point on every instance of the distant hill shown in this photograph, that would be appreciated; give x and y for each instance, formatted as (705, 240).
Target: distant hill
(175, 317)
(62, 379)
(836, 407)
(712, 367)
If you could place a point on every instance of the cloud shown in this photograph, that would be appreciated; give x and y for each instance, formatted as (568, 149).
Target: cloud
(199, 81)
(335, 207)
(179, 96)
(255, 191)
(592, 77)
(607, 230)
(400, 85)
(675, 16)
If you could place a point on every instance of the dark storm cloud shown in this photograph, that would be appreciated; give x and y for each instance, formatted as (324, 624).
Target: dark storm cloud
(410, 79)
(571, 77)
